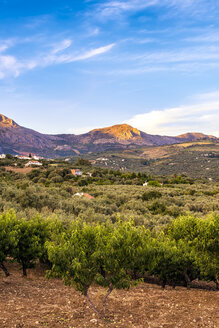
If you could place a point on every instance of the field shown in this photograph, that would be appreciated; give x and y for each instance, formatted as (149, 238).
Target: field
(36, 302)
(23, 170)
(165, 232)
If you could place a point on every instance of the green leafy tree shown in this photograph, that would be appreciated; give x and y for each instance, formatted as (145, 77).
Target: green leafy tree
(173, 262)
(202, 235)
(31, 238)
(74, 256)
(8, 237)
(104, 254)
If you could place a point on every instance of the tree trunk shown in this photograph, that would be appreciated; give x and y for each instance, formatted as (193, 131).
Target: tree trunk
(7, 274)
(188, 281)
(217, 282)
(24, 270)
(91, 303)
(164, 283)
(105, 298)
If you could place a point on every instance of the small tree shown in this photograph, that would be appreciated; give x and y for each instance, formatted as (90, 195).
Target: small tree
(31, 238)
(104, 254)
(173, 262)
(202, 235)
(73, 256)
(8, 237)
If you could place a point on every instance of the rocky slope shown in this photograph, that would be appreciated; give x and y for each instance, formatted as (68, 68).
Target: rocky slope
(16, 139)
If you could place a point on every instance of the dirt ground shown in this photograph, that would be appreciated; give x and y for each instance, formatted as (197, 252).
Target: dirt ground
(37, 302)
(23, 170)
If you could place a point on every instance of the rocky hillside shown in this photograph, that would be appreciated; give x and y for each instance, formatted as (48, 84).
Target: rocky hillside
(16, 139)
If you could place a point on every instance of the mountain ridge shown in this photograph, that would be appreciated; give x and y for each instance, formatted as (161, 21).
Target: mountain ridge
(16, 139)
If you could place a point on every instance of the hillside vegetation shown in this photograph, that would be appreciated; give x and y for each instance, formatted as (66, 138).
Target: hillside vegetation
(198, 159)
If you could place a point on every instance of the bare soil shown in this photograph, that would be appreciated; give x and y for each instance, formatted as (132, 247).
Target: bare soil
(37, 302)
(23, 170)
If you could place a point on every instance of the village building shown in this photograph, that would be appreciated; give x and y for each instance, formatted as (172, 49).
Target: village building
(83, 194)
(76, 172)
(31, 163)
(22, 157)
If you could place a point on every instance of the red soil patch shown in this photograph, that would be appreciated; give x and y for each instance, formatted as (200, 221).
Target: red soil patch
(37, 302)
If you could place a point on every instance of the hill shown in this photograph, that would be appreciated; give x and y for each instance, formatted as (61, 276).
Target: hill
(15, 139)
(198, 159)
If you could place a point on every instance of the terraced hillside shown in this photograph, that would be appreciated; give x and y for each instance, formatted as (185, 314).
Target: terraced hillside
(195, 159)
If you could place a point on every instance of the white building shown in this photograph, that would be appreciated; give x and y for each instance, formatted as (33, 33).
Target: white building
(30, 163)
(76, 172)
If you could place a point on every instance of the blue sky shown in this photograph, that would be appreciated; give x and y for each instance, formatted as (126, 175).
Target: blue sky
(70, 66)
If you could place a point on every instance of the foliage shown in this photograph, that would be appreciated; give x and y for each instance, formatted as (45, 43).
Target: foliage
(113, 255)
(31, 238)
(8, 237)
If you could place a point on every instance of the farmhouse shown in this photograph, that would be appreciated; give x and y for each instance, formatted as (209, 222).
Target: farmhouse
(76, 172)
(30, 163)
(82, 194)
(22, 157)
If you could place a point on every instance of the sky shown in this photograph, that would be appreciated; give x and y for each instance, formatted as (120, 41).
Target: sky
(72, 66)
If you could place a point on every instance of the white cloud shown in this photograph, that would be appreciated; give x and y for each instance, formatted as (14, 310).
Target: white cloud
(69, 58)
(9, 66)
(205, 38)
(190, 54)
(3, 47)
(189, 60)
(197, 117)
(62, 46)
(114, 8)
(94, 52)
(12, 66)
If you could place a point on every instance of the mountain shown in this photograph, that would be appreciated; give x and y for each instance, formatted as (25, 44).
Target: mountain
(16, 139)
(195, 136)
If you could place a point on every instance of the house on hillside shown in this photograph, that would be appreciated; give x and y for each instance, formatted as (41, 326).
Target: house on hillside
(76, 172)
(31, 163)
(145, 184)
(22, 157)
(83, 194)
(2, 156)
(36, 157)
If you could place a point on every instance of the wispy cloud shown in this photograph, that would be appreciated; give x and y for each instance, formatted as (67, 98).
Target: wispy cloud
(202, 116)
(11, 66)
(62, 46)
(73, 57)
(3, 47)
(113, 8)
(180, 55)
(189, 60)
(94, 52)
(205, 38)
